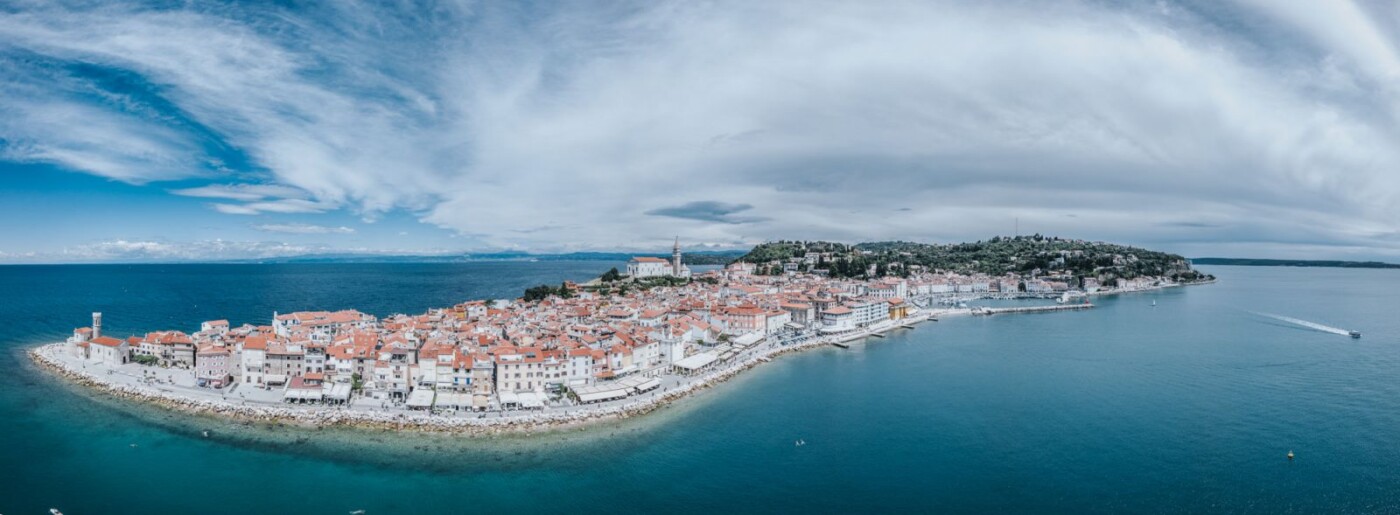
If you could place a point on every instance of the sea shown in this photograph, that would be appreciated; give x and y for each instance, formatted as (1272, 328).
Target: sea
(1185, 400)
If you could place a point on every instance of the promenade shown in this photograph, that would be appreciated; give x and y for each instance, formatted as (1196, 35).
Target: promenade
(175, 389)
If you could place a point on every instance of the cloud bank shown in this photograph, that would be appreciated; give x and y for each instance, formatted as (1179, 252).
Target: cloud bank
(1206, 127)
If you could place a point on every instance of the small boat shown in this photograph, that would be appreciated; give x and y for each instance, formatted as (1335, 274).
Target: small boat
(1355, 334)
(55, 511)
(206, 434)
(357, 512)
(1154, 303)
(1290, 454)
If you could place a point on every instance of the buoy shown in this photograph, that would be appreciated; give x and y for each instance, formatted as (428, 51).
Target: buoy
(1290, 454)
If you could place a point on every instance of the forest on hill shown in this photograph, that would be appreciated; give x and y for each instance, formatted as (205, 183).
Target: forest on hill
(997, 256)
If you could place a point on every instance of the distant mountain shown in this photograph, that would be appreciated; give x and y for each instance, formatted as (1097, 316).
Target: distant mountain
(704, 257)
(1293, 262)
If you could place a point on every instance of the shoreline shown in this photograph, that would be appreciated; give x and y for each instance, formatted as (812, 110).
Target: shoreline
(321, 417)
(45, 356)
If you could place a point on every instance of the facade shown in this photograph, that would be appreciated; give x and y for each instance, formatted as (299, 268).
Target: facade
(869, 311)
(254, 360)
(643, 267)
(838, 318)
(108, 351)
(213, 366)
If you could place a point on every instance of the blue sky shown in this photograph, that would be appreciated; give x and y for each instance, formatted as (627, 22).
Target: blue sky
(135, 131)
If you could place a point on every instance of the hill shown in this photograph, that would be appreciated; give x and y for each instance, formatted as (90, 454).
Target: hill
(998, 256)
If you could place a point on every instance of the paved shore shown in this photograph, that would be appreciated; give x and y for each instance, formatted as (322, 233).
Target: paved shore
(52, 357)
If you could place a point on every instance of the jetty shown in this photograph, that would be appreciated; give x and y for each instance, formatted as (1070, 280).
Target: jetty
(1031, 309)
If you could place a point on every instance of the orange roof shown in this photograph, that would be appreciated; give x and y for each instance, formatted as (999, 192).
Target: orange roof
(255, 343)
(107, 341)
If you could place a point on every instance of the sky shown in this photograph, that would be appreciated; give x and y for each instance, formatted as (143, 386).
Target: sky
(159, 131)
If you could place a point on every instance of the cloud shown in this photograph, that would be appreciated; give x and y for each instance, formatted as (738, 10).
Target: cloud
(290, 205)
(127, 250)
(297, 228)
(243, 192)
(494, 122)
(707, 211)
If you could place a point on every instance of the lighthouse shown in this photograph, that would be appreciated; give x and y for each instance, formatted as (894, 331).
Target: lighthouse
(96, 324)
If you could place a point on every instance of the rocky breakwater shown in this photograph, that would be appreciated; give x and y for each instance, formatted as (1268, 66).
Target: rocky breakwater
(49, 358)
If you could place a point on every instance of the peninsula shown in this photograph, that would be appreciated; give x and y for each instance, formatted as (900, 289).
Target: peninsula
(617, 346)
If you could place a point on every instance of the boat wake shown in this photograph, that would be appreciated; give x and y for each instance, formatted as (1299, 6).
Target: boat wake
(1304, 323)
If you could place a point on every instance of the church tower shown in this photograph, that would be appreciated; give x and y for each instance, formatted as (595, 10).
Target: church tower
(676, 258)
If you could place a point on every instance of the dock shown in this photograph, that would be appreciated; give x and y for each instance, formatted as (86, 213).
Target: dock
(1031, 309)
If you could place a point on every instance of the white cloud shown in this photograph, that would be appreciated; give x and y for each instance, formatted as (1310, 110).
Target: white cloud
(736, 122)
(125, 250)
(242, 192)
(297, 228)
(289, 205)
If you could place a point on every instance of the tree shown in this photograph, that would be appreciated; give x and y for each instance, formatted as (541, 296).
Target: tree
(537, 293)
(611, 275)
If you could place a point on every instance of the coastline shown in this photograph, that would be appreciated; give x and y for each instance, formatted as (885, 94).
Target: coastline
(46, 357)
(320, 417)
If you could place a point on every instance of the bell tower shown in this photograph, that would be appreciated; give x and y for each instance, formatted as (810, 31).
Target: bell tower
(676, 258)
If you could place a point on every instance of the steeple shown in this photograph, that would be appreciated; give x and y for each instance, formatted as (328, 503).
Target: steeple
(676, 258)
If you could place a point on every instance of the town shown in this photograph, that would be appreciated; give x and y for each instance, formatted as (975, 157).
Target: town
(657, 328)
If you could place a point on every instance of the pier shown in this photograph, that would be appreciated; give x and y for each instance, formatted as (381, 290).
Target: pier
(1031, 309)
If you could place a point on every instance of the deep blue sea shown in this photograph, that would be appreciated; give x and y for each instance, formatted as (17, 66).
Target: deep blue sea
(1186, 406)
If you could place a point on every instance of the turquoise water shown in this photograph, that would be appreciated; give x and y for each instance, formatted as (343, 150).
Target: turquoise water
(1187, 406)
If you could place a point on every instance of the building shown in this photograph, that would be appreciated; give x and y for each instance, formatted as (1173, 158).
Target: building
(643, 266)
(866, 311)
(213, 366)
(254, 359)
(898, 309)
(109, 351)
(837, 319)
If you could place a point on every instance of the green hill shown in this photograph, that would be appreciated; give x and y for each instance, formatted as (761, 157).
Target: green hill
(997, 256)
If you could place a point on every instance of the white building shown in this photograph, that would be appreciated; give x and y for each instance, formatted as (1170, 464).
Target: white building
(108, 351)
(640, 267)
(777, 320)
(869, 311)
(254, 360)
(837, 319)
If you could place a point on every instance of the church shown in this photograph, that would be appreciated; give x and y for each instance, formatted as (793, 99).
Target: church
(642, 266)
